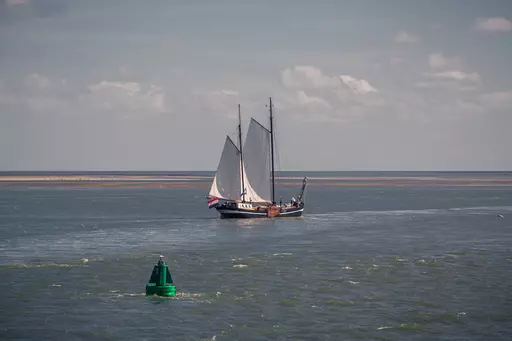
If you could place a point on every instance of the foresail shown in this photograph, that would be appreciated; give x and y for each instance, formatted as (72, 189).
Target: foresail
(250, 194)
(227, 181)
(257, 163)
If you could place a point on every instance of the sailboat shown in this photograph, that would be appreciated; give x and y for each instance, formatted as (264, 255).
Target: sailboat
(244, 184)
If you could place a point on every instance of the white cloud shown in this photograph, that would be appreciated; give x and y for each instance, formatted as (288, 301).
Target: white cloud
(405, 38)
(456, 76)
(40, 94)
(497, 100)
(494, 25)
(357, 86)
(305, 100)
(444, 85)
(229, 92)
(37, 94)
(218, 102)
(452, 80)
(128, 88)
(305, 107)
(439, 61)
(127, 98)
(307, 77)
(320, 97)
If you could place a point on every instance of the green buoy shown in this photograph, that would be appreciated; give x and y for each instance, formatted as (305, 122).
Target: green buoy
(160, 282)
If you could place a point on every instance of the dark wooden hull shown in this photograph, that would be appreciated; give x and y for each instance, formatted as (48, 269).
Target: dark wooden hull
(241, 213)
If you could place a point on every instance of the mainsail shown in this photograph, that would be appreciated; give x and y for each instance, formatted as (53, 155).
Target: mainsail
(256, 184)
(257, 163)
(227, 182)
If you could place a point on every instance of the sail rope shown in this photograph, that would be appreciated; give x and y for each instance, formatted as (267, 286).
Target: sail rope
(278, 161)
(234, 137)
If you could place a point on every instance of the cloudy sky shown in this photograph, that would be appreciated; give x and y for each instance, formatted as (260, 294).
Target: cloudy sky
(357, 85)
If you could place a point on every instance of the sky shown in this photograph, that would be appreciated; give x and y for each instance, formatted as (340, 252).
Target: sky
(357, 85)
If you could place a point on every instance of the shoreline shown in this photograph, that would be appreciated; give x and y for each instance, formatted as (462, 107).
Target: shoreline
(191, 178)
(206, 184)
(204, 181)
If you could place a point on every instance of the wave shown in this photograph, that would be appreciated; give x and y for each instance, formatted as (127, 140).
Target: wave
(411, 212)
(45, 265)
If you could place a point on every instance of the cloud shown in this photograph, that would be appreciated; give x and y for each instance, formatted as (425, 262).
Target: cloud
(305, 107)
(446, 74)
(311, 101)
(405, 38)
(218, 102)
(497, 100)
(307, 77)
(495, 24)
(39, 94)
(357, 86)
(229, 92)
(456, 76)
(128, 88)
(127, 97)
(311, 95)
(453, 80)
(439, 61)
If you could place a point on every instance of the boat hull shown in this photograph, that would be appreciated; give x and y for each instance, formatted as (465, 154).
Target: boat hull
(240, 213)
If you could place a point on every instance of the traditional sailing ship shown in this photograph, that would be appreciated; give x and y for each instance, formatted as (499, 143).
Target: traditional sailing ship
(244, 184)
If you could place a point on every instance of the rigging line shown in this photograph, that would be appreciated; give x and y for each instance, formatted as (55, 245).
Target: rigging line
(279, 155)
(234, 136)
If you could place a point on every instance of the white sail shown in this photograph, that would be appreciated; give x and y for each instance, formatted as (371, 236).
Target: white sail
(257, 163)
(227, 182)
(250, 194)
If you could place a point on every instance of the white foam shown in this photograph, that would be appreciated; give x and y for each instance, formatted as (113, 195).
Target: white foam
(427, 211)
(385, 327)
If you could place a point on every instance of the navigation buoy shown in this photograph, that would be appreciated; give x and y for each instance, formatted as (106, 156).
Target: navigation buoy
(160, 282)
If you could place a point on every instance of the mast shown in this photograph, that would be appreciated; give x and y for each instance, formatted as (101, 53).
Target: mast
(272, 151)
(241, 153)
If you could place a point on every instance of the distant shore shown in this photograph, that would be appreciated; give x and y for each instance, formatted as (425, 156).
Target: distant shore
(200, 181)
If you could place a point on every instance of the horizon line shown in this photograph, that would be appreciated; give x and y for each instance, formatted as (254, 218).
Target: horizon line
(282, 170)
